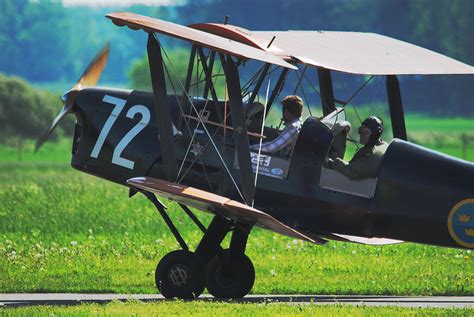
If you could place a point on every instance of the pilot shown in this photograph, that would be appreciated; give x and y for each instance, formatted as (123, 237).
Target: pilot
(366, 162)
(292, 108)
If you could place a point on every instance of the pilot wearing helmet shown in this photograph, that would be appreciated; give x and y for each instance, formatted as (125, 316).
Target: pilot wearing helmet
(366, 162)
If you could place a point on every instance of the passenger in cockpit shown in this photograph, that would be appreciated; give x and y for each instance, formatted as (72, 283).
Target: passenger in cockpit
(366, 162)
(292, 108)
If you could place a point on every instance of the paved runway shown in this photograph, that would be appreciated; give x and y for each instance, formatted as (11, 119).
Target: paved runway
(22, 299)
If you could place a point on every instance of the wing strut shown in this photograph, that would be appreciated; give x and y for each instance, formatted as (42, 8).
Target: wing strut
(326, 90)
(208, 85)
(396, 108)
(240, 128)
(277, 89)
(259, 83)
(162, 210)
(208, 77)
(189, 73)
(162, 109)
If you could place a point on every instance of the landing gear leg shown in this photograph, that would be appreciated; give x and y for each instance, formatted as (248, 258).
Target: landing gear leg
(180, 273)
(230, 274)
(227, 273)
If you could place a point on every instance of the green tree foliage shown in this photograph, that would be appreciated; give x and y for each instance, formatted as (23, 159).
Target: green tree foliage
(139, 73)
(43, 41)
(176, 68)
(25, 112)
(34, 38)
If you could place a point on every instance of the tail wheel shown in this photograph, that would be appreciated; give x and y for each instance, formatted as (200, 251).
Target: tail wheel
(180, 274)
(236, 283)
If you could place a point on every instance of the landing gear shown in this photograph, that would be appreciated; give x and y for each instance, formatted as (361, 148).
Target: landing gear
(230, 278)
(226, 273)
(180, 274)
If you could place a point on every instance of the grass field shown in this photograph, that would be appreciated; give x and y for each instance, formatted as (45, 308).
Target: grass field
(67, 231)
(201, 308)
(64, 231)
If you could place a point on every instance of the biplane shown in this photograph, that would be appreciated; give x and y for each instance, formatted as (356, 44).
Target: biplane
(194, 150)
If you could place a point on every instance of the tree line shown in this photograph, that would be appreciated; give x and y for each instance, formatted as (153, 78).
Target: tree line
(44, 41)
(25, 112)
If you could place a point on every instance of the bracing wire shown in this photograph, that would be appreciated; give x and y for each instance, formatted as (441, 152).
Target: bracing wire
(375, 97)
(261, 133)
(203, 125)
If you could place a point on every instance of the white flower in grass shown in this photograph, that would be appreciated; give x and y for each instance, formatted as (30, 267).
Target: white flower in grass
(73, 243)
(273, 273)
(354, 252)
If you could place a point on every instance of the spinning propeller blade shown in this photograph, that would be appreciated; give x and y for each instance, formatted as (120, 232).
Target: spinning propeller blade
(90, 77)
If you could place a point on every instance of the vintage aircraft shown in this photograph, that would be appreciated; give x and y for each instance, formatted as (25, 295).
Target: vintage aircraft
(195, 150)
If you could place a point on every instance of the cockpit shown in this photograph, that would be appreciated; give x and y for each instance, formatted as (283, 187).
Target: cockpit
(320, 138)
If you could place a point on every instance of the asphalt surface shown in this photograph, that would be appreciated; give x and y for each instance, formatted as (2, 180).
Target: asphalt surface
(24, 299)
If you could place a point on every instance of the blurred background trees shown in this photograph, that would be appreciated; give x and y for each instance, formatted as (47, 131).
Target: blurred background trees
(49, 45)
(25, 112)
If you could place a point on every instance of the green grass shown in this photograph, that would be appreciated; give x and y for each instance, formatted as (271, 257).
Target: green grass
(59, 152)
(201, 308)
(65, 231)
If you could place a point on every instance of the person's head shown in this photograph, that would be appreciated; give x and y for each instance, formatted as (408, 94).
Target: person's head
(370, 130)
(292, 107)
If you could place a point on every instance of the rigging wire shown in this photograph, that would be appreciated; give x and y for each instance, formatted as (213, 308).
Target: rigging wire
(189, 131)
(300, 78)
(317, 92)
(261, 133)
(252, 79)
(204, 126)
(376, 95)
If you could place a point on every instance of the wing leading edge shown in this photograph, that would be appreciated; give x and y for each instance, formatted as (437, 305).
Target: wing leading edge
(350, 52)
(211, 41)
(218, 205)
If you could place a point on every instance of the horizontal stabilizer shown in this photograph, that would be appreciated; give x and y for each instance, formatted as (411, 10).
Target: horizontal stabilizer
(218, 205)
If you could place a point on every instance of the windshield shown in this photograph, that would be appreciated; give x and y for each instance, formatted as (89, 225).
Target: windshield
(338, 115)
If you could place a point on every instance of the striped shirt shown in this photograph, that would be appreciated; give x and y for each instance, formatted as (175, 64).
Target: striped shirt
(283, 144)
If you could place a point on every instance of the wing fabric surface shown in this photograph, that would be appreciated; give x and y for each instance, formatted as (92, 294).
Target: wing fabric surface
(218, 205)
(361, 240)
(361, 53)
(214, 42)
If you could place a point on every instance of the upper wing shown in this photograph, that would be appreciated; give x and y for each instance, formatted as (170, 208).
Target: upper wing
(214, 42)
(361, 53)
(218, 205)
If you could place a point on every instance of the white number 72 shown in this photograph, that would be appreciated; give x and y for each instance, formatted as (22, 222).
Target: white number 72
(117, 159)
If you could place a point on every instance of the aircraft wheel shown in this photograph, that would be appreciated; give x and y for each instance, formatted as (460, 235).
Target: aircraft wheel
(237, 285)
(180, 274)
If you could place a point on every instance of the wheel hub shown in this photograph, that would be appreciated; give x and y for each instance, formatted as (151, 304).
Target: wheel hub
(178, 275)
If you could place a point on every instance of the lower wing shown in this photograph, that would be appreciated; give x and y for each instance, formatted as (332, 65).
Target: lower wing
(219, 205)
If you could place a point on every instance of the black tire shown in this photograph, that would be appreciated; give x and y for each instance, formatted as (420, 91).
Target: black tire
(237, 285)
(180, 274)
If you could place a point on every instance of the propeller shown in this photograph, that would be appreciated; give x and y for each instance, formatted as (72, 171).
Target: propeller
(90, 77)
